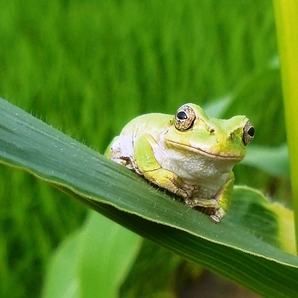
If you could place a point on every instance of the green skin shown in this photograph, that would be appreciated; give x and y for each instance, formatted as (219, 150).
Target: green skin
(189, 154)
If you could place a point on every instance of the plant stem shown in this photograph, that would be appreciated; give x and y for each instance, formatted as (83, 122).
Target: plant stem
(286, 18)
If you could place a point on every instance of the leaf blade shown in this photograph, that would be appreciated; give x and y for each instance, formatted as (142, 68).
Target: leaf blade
(32, 145)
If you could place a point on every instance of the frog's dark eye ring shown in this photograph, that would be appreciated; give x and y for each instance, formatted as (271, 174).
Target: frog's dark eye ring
(248, 133)
(184, 118)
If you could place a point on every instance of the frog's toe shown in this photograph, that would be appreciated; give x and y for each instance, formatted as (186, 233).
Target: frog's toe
(218, 215)
(201, 202)
(189, 202)
(190, 190)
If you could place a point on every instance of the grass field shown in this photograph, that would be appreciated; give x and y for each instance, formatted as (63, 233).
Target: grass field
(87, 67)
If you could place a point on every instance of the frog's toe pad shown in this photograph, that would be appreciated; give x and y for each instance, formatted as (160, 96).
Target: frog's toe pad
(218, 215)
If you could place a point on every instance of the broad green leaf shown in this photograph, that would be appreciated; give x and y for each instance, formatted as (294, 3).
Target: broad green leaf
(61, 278)
(244, 247)
(106, 254)
(272, 160)
(94, 259)
(271, 222)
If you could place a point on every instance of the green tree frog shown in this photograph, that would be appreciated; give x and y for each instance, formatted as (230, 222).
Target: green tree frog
(188, 154)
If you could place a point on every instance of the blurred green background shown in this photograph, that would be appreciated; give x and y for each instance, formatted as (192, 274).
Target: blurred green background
(88, 67)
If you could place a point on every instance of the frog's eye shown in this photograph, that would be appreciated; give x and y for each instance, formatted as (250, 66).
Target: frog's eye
(184, 118)
(248, 133)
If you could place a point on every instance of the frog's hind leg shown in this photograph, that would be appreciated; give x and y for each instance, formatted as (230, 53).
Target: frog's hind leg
(218, 205)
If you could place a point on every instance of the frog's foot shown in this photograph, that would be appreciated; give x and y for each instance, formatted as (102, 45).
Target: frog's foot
(199, 202)
(218, 215)
(188, 190)
(208, 206)
(171, 182)
(179, 188)
(127, 162)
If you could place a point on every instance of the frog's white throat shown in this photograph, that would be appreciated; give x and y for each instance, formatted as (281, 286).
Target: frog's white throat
(193, 167)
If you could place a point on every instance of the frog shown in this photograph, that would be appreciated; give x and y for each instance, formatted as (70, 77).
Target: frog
(188, 154)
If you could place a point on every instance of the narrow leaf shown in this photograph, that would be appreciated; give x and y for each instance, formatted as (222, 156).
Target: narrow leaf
(231, 248)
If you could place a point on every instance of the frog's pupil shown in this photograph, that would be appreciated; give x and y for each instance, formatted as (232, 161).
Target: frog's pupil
(181, 115)
(251, 131)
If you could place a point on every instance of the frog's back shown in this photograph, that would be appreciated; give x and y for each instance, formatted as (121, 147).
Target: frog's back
(146, 124)
(122, 146)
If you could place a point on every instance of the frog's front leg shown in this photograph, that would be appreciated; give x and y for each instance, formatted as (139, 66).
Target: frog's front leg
(220, 203)
(149, 167)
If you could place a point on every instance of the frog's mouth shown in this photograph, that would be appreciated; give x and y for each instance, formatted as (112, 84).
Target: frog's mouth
(211, 154)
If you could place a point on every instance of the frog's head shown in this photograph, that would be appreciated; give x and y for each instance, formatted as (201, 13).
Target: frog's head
(192, 130)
